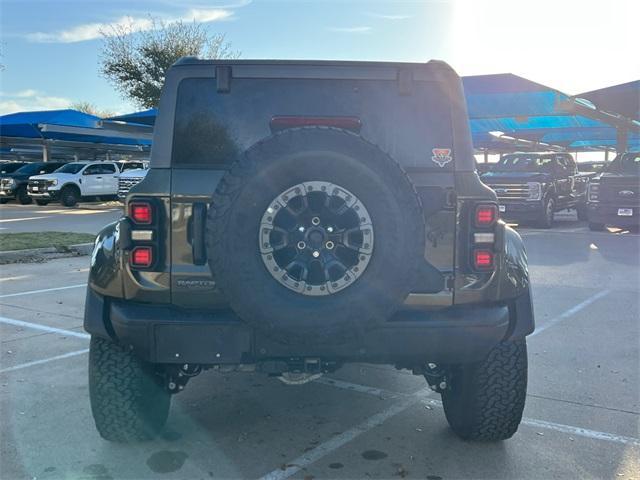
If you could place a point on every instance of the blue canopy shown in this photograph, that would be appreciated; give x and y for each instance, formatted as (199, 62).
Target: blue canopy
(144, 117)
(623, 99)
(68, 125)
(25, 124)
(507, 106)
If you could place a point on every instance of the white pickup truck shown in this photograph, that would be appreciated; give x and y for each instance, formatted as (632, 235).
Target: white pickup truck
(76, 181)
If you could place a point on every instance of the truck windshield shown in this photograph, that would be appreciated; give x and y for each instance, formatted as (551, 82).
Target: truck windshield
(10, 167)
(630, 164)
(523, 163)
(31, 169)
(71, 168)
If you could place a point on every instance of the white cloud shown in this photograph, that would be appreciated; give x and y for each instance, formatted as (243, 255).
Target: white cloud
(362, 29)
(93, 31)
(30, 100)
(390, 17)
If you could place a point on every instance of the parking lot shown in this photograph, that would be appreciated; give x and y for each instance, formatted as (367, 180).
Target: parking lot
(85, 218)
(365, 421)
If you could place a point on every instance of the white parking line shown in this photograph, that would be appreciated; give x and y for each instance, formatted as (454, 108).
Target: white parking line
(568, 313)
(338, 441)
(45, 360)
(532, 422)
(44, 328)
(582, 432)
(20, 219)
(31, 292)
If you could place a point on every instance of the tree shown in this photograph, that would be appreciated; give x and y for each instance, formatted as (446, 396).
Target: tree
(136, 62)
(91, 109)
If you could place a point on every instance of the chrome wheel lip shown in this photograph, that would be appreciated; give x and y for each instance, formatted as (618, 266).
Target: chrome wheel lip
(354, 272)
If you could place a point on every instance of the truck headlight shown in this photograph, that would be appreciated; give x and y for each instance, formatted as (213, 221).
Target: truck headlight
(53, 182)
(593, 192)
(535, 190)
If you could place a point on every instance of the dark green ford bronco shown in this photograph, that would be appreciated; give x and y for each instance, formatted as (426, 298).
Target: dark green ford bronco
(298, 216)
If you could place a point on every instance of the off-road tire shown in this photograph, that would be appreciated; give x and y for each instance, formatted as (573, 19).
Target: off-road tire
(548, 213)
(485, 400)
(69, 196)
(22, 196)
(596, 227)
(128, 400)
(42, 203)
(303, 155)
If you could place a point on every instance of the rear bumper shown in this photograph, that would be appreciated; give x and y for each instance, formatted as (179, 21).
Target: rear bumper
(608, 214)
(166, 334)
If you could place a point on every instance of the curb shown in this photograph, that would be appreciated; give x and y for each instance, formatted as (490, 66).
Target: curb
(40, 254)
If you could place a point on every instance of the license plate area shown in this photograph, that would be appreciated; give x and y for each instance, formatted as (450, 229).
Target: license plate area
(35, 188)
(625, 212)
(502, 208)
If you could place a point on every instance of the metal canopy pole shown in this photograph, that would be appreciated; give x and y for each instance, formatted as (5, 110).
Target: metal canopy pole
(622, 140)
(46, 155)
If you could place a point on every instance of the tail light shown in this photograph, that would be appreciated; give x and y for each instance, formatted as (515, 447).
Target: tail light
(141, 213)
(141, 257)
(482, 259)
(482, 236)
(486, 215)
(143, 235)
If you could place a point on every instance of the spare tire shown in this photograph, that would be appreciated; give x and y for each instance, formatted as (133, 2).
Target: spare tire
(314, 235)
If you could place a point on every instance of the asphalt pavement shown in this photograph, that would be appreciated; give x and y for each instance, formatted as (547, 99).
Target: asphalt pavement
(83, 218)
(581, 419)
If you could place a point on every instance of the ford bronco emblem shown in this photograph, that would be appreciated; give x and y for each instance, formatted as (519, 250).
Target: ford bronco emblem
(626, 193)
(441, 156)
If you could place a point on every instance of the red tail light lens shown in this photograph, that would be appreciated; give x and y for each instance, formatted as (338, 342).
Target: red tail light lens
(141, 213)
(141, 257)
(482, 259)
(486, 215)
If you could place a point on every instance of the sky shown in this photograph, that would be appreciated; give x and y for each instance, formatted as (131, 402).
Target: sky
(50, 49)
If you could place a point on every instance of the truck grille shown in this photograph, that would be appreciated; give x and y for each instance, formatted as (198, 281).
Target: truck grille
(40, 184)
(511, 191)
(125, 184)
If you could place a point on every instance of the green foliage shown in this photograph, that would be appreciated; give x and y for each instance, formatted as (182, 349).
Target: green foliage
(136, 62)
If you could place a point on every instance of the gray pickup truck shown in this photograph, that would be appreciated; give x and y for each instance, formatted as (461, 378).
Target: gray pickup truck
(300, 215)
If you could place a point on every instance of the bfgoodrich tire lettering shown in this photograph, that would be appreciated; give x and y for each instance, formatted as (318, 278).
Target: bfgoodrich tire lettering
(314, 155)
(128, 401)
(485, 400)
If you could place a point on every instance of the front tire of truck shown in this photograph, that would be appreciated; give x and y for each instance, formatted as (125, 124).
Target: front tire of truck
(548, 213)
(484, 401)
(70, 196)
(128, 400)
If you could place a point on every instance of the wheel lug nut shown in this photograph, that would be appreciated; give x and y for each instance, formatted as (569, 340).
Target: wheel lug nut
(329, 245)
(316, 254)
(302, 245)
(315, 221)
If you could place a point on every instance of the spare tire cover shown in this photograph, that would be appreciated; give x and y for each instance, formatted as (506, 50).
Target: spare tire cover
(315, 235)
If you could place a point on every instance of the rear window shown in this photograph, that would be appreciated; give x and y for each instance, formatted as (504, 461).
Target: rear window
(211, 128)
